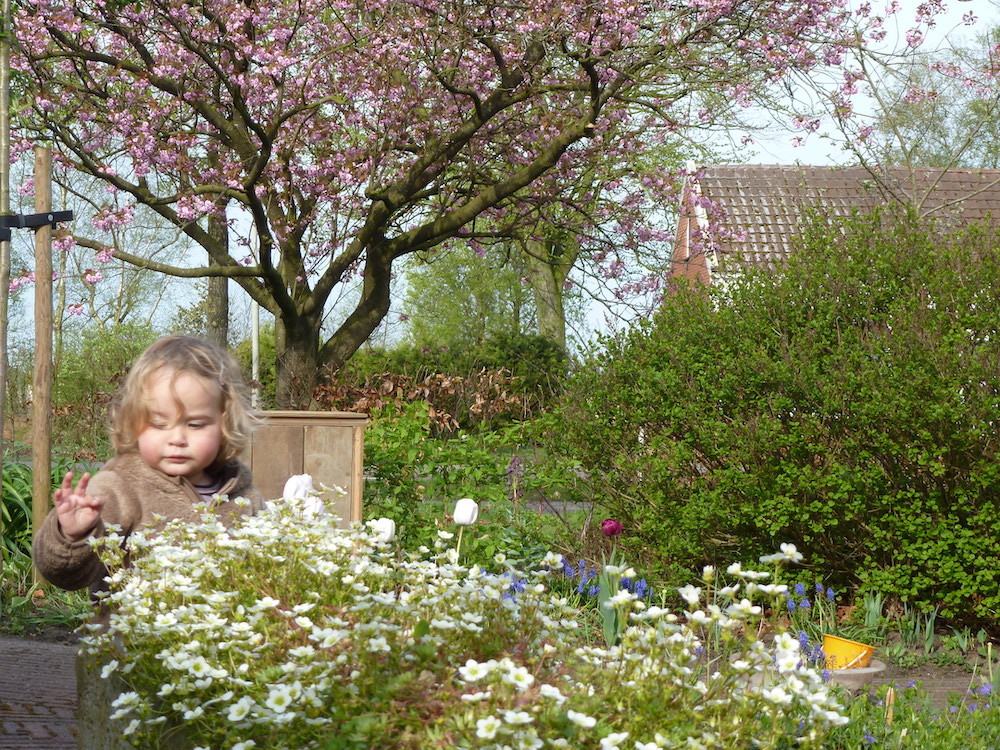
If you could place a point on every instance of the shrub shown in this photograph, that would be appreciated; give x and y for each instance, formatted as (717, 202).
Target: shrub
(848, 403)
(508, 377)
(415, 479)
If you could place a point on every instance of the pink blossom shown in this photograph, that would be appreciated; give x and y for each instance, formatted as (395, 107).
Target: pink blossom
(327, 124)
(108, 218)
(64, 242)
(23, 280)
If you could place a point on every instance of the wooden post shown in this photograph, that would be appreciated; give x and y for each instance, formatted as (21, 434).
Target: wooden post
(41, 397)
(4, 244)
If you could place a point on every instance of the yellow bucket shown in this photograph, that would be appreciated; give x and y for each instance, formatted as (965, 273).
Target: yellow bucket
(844, 654)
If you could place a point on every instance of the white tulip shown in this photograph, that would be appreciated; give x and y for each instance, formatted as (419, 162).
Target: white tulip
(385, 530)
(466, 512)
(298, 487)
(299, 490)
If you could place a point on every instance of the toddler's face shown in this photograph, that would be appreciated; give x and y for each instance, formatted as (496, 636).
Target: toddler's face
(184, 433)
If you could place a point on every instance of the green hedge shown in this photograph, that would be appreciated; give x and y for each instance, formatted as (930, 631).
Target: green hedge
(849, 404)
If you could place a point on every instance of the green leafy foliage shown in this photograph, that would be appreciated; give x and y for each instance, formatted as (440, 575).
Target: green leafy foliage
(17, 483)
(906, 717)
(455, 297)
(395, 451)
(86, 378)
(17, 493)
(848, 403)
(266, 376)
(415, 479)
(18, 609)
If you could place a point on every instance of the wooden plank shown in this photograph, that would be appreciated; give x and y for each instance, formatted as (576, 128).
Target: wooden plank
(328, 457)
(358, 472)
(349, 418)
(329, 446)
(276, 454)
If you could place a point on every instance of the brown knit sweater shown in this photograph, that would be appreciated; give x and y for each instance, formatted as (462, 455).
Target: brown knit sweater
(136, 496)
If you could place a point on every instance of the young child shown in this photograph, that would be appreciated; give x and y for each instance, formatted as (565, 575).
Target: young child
(178, 424)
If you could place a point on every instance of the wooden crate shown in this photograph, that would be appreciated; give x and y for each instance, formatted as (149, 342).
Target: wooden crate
(327, 445)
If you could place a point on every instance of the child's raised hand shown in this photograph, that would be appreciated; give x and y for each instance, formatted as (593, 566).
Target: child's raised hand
(78, 512)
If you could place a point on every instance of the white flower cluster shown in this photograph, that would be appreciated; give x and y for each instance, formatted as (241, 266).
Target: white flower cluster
(279, 634)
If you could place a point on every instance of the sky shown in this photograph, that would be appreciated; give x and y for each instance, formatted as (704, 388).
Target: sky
(949, 30)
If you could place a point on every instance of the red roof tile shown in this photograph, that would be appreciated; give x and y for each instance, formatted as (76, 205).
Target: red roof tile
(761, 205)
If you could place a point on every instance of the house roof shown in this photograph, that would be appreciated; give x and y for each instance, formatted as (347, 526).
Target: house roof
(757, 208)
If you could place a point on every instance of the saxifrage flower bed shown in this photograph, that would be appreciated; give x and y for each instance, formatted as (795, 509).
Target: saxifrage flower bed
(287, 632)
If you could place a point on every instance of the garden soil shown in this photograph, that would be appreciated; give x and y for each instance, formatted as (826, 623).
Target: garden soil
(38, 689)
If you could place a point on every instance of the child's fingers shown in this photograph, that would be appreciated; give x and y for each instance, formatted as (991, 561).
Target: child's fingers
(77, 498)
(62, 495)
(81, 488)
(87, 501)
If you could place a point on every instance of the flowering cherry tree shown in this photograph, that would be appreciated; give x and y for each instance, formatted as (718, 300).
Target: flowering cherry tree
(352, 133)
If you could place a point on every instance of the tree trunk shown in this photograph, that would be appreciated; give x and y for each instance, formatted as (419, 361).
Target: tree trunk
(217, 311)
(367, 315)
(298, 362)
(549, 265)
(217, 300)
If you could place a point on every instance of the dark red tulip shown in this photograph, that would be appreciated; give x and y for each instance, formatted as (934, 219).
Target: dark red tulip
(610, 527)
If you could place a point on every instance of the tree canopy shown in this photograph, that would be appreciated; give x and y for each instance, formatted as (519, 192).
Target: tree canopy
(349, 134)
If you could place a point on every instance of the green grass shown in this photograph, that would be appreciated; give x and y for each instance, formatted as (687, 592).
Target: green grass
(27, 610)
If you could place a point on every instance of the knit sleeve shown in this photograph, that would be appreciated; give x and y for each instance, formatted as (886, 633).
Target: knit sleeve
(65, 563)
(75, 565)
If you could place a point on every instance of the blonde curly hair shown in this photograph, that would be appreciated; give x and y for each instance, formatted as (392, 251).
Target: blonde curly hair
(128, 415)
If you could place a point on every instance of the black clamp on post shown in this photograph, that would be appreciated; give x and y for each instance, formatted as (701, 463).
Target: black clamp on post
(30, 221)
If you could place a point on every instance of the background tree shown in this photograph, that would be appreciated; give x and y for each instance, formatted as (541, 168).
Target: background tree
(93, 288)
(455, 298)
(554, 248)
(351, 135)
(934, 111)
(93, 365)
(925, 107)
